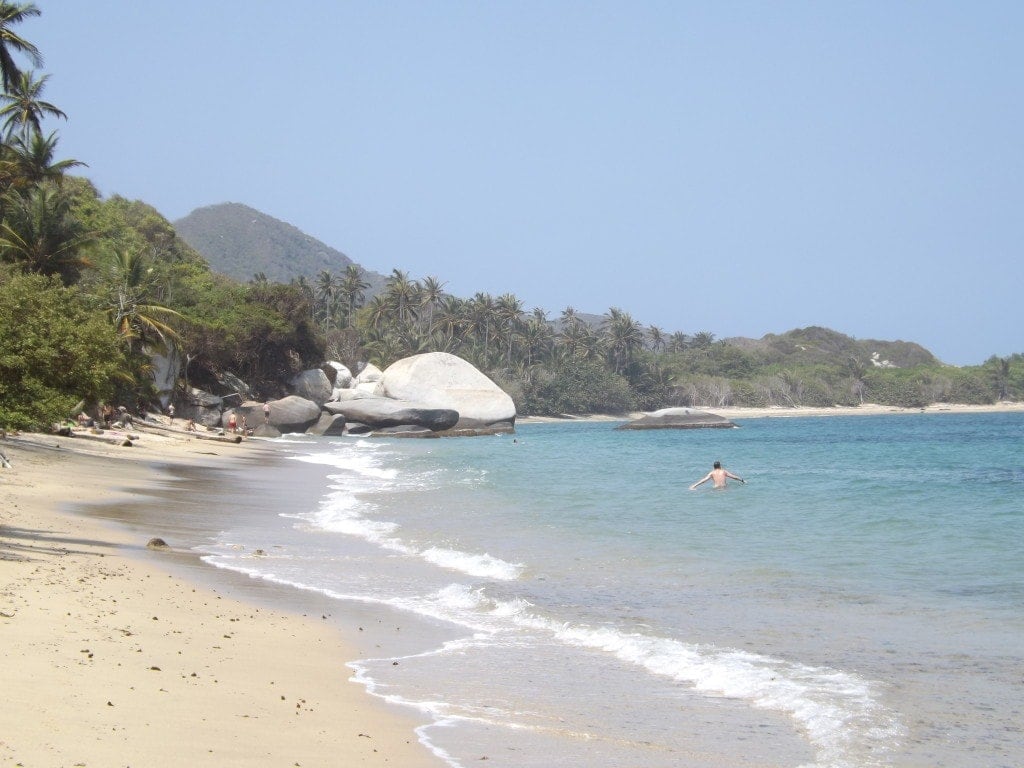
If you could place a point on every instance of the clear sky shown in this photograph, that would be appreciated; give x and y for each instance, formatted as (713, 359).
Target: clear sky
(741, 168)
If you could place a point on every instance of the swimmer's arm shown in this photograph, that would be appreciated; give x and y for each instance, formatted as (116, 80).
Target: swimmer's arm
(735, 477)
(701, 481)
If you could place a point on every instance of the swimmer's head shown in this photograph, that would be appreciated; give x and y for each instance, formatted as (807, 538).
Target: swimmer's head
(718, 465)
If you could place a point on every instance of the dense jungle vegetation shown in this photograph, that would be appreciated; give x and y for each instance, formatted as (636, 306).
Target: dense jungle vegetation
(91, 288)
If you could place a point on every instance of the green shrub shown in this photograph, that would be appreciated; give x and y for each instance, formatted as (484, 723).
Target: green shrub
(54, 351)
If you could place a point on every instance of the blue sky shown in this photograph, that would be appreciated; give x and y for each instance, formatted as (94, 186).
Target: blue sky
(740, 168)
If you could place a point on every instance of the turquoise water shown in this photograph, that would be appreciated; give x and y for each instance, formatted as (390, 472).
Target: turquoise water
(859, 602)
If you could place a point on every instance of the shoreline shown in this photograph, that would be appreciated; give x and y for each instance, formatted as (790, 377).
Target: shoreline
(743, 412)
(111, 657)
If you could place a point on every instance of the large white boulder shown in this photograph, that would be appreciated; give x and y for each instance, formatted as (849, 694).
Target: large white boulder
(338, 374)
(370, 374)
(441, 380)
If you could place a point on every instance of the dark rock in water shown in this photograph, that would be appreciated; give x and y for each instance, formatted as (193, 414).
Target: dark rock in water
(678, 418)
(329, 425)
(156, 543)
(266, 430)
(407, 430)
(383, 412)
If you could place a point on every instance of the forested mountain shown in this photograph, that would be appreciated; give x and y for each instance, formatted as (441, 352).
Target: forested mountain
(240, 242)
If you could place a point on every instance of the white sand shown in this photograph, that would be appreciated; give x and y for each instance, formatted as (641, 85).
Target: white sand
(106, 660)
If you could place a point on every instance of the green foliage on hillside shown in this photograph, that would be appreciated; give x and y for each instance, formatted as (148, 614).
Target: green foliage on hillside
(261, 333)
(90, 288)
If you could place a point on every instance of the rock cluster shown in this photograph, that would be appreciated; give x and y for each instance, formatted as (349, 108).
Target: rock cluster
(428, 395)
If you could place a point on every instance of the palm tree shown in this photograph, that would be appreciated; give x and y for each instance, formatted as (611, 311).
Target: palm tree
(136, 319)
(538, 338)
(678, 341)
(326, 287)
(10, 42)
(401, 292)
(481, 319)
(40, 232)
(999, 373)
(32, 162)
(573, 336)
(379, 313)
(431, 294)
(702, 340)
(507, 310)
(383, 348)
(351, 288)
(657, 337)
(302, 283)
(24, 108)
(450, 321)
(624, 336)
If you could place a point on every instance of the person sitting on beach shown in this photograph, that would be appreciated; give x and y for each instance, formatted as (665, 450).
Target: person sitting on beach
(718, 476)
(124, 417)
(191, 426)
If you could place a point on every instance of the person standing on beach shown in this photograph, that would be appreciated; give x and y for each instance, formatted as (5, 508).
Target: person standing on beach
(718, 476)
(233, 423)
(266, 412)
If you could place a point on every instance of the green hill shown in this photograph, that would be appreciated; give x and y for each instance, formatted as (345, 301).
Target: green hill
(239, 241)
(814, 345)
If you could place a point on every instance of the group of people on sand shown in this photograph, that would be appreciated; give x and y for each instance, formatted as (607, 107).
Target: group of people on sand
(106, 417)
(235, 425)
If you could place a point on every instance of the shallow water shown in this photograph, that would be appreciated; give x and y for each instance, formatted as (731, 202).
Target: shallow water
(860, 602)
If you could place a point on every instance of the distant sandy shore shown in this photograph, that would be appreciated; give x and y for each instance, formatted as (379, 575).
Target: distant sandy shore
(868, 409)
(109, 660)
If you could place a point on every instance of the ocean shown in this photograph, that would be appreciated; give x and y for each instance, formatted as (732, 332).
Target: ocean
(560, 598)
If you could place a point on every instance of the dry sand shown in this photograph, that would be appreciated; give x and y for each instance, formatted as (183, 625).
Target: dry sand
(867, 409)
(108, 660)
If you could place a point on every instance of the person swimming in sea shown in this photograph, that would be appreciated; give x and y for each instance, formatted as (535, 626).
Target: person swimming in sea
(718, 476)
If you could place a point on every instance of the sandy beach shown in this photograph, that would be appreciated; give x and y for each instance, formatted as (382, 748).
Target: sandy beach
(735, 413)
(110, 659)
